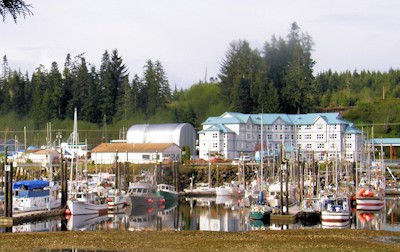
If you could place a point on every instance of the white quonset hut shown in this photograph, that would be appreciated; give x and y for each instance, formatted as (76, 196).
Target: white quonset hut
(181, 134)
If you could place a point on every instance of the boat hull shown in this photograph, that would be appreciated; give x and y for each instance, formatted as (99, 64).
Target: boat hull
(85, 208)
(369, 203)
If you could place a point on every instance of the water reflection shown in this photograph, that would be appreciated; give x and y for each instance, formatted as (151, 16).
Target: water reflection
(223, 214)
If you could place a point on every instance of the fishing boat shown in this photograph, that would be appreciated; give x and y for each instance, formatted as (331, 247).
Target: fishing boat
(336, 211)
(34, 195)
(310, 209)
(274, 195)
(368, 198)
(201, 189)
(234, 189)
(143, 193)
(260, 210)
(76, 205)
(115, 200)
(167, 191)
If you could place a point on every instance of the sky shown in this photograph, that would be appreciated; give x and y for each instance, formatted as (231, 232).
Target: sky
(191, 37)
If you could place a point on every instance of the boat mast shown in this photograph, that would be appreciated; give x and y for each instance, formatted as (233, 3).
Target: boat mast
(262, 153)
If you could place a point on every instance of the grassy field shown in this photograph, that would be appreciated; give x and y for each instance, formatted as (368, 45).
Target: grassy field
(288, 240)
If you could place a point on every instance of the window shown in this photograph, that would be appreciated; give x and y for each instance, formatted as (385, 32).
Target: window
(276, 127)
(286, 127)
(320, 136)
(308, 127)
(287, 136)
(349, 155)
(308, 146)
(298, 136)
(280, 127)
(349, 145)
(248, 136)
(320, 146)
(319, 126)
(215, 135)
(269, 136)
(332, 136)
(332, 146)
(307, 136)
(348, 136)
(280, 136)
(334, 126)
(215, 145)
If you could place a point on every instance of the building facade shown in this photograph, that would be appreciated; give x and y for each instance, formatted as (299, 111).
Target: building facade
(320, 136)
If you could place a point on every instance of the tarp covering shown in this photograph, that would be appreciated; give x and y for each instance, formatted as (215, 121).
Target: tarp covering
(30, 184)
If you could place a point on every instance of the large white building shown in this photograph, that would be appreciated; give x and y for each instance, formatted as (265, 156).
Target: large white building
(181, 134)
(324, 135)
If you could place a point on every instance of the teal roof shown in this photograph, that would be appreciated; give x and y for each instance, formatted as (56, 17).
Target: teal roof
(216, 127)
(292, 119)
(386, 141)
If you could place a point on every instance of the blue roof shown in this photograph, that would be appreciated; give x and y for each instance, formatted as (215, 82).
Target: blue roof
(216, 127)
(386, 141)
(291, 119)
(30, 184)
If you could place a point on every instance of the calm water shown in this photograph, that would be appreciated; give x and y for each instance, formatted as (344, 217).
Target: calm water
(213, 214)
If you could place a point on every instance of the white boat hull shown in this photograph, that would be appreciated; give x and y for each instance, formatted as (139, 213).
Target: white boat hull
(369, 203)
(80, 208)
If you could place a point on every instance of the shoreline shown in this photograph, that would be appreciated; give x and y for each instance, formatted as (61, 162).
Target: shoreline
(270, 240)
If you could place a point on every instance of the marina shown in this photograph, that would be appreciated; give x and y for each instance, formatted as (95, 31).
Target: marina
(202, 214)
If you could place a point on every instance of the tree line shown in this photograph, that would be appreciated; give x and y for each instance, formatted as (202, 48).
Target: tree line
(279, 78)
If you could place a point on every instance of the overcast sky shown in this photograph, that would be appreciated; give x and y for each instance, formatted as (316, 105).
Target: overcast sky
(190, 36)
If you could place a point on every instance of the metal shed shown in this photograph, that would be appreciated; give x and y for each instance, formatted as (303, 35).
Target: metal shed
(182, 134)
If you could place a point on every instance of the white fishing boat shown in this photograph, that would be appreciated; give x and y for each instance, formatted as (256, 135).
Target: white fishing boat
(233, 189)
(75, 204)
(115, 200)
(34, 195)
(201, 189)
(369, 198)
(336, 211)
(274, 195)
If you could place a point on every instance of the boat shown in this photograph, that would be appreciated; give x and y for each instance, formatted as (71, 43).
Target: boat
(143, 193)
(336, 211)
(310, 210)
(260, 210)
(368, 198)
(115, 200)
(80, 201)
(167, 191)
(274, 193)
(201, 189)
(34, 195)
(234, 189)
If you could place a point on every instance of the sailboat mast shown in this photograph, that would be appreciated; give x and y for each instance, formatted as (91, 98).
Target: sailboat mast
(262, 152)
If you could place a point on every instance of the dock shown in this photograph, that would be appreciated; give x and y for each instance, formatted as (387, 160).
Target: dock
(290, 218)
(21, 217)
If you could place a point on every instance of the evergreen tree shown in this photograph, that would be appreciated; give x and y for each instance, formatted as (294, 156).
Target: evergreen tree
(90, 109)
(39, 82)
(240, 72)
